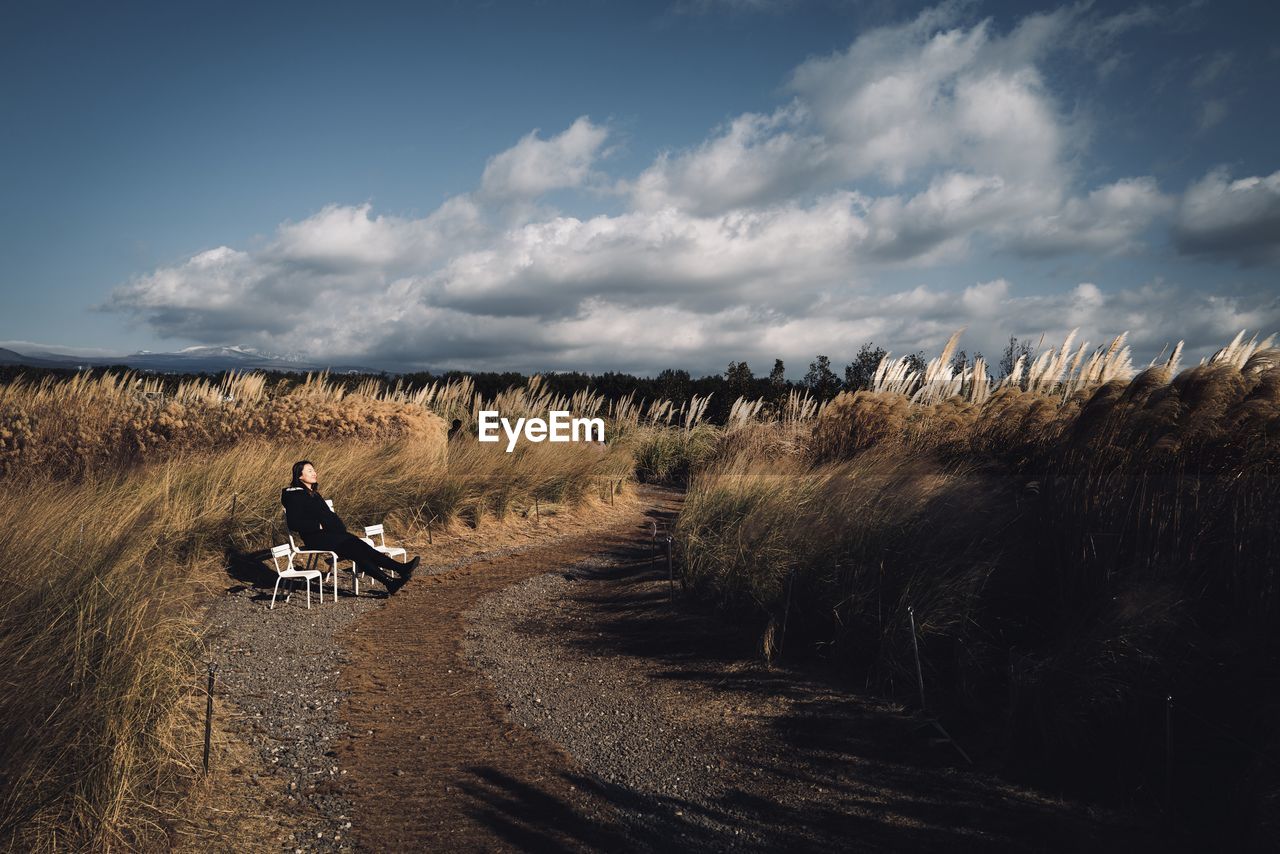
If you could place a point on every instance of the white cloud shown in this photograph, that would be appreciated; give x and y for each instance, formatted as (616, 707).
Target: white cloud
(1111, 218)
(755, 159)
(535, 166)
(1234, 220)
(900, 153)
(959, 120)
(914, 97)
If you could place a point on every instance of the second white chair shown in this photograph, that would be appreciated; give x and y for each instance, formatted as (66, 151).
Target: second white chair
(371, 531)
(285, 552)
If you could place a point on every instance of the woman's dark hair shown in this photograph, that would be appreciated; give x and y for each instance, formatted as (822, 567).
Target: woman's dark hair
(297, 476)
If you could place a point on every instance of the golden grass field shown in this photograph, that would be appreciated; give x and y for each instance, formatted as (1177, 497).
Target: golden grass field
(1077, 543)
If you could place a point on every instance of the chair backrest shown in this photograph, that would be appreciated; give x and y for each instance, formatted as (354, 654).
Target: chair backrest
(284, 551)
(375, 531)
(329, 501)
(293, 547)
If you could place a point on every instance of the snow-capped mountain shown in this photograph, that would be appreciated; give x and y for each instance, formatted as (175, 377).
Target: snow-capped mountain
(235, 352)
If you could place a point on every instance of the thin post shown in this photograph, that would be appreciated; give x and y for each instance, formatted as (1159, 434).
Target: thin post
(786, 612)
(208, 715)
(233, 506)
(671, 574)
(429, 521)
(911, 612)
(537, 512)
(1168, 753)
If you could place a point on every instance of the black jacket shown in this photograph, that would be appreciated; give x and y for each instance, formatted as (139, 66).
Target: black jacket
(306, 512)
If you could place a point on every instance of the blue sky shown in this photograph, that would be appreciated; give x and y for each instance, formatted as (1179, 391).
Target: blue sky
(635, 186)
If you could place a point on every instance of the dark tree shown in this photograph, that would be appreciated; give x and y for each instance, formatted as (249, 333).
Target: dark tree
(917, 362)
(740, 380)
(777, 380)
(860, 373)
(820, 379)
(1015, 349)
(673, 384)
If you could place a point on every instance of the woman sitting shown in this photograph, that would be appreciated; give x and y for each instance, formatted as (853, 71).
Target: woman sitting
(306, 512)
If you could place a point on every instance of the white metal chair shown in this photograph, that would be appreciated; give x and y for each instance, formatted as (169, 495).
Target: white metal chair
(314, 554)
(356, 574)
(371, 531)
(285, 552)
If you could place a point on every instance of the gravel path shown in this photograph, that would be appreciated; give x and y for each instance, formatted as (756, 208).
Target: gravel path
(278, 690)
(698, 745)
(554, 697)
(280, 668)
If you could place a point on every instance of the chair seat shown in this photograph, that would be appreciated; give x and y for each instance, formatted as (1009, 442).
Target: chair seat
(285, 552)
(391, 550)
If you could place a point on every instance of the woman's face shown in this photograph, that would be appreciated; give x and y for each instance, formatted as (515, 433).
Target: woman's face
(308, 475)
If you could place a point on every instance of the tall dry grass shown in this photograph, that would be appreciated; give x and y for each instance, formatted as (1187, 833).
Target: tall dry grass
(102, 580)
(1075, 550)
(66, 427)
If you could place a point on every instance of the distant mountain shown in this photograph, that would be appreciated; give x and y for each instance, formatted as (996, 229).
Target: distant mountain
(192, 360)
(43, 360)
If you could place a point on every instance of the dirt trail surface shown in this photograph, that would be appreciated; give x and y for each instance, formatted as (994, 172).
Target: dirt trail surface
(276, 781)
(559, 700)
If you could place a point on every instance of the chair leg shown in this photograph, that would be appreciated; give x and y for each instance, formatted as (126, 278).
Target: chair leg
(307, 581)
(274, 592)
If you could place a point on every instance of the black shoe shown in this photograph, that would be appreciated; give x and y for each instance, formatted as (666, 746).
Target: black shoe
(393, 585)
(406, 569)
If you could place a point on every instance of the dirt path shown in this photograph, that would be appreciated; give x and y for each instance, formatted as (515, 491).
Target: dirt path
(557, 700)
(433, 762)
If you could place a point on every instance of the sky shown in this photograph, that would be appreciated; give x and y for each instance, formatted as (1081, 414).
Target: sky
(598, 186)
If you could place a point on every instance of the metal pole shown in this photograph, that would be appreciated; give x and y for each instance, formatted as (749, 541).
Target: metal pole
(911, 612)
(537, 512)
(208, 716)
(1168, 753)
(671, 575)
(786, 612)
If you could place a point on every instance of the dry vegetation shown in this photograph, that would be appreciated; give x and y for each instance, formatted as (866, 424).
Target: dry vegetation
(1077, 543)
(1077, 546)
(116, 517)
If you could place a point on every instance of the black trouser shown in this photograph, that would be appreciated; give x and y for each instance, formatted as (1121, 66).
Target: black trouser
(349, 546)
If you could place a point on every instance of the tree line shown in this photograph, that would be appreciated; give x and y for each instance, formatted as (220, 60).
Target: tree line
(676, 384)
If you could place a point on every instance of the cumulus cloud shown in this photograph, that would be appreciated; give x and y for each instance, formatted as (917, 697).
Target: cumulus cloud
(1232, 220)
(535, 166)
(897, 155)
(1110, 219)
(957, 120)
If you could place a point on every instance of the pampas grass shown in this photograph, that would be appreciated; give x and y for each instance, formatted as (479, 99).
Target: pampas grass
(103, 577)
(1078, 544)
